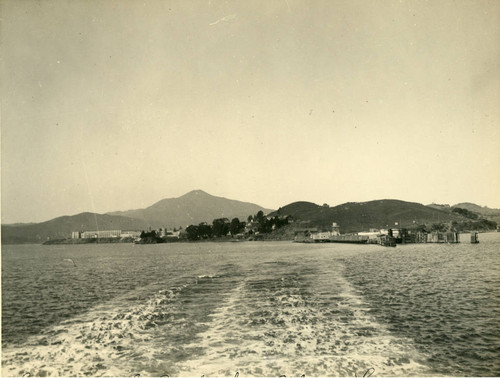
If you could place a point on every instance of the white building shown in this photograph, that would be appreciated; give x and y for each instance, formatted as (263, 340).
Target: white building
(321, 235)
(101, 234)
(371, 235)
(130, 234)
(335, 229)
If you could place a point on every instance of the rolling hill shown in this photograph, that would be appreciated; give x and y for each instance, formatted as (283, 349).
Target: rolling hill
(360, 216)
(483, 211)
(192, 208)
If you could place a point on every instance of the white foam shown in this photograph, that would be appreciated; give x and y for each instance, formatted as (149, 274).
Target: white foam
(294, 338)
(98, 343)
(208, 276)
(271, 330)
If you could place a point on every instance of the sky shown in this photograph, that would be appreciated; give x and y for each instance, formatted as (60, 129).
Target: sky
(109, 105)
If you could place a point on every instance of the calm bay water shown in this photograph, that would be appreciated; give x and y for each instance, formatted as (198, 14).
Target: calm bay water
(262, 309)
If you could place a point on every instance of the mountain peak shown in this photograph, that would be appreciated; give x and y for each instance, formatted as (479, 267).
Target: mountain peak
(193, 207)
(197, 192)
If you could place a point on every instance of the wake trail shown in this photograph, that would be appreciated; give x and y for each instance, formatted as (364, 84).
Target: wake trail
(298, 323)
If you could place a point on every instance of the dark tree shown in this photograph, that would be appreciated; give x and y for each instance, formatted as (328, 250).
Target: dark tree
(264, 225)
(236, 226)
(260, 216)
(205, 231)
(193, 232)
(466, 213)
(220, 227)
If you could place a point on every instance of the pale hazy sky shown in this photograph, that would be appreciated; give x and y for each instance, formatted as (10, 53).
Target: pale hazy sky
(112, 105)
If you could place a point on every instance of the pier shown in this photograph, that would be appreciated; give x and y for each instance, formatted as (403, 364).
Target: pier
(389, 237)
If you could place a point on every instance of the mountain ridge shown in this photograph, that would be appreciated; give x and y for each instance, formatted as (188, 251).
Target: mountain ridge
(193, 207)
(198, 206)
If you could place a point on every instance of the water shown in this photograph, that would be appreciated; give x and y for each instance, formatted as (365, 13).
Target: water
(260, 309)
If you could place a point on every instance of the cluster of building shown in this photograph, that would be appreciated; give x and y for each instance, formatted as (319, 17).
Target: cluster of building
(309, 234)
(383, 236)
(314, 234)
(103, 234)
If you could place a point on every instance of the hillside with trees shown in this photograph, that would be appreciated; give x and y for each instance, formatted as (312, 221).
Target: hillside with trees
(361, 216)
(258, 224)
(483, 211)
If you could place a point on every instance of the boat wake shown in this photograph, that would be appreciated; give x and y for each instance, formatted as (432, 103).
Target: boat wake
(276, 319)
(279, 327)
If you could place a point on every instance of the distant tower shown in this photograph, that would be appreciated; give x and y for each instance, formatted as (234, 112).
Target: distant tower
(335, 229)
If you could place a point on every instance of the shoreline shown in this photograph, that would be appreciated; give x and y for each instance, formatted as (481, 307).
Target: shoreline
(131, 240)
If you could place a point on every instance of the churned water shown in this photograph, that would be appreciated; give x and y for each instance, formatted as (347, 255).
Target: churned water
(257, 308)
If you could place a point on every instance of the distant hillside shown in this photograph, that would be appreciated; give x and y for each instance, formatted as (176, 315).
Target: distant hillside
(486, 212)
(192, 208)
(359, 216)
(62, 227)
(481, 211)
(445, 206)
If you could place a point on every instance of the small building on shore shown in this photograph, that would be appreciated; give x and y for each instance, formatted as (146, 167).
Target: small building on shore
(321, 236)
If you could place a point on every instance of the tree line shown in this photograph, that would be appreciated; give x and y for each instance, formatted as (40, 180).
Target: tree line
(265, 225)
(221, 227)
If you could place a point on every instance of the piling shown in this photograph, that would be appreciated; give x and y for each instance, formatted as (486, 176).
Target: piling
(474, 237)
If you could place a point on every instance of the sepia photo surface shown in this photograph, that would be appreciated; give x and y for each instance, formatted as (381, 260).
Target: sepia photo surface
(250, 188)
